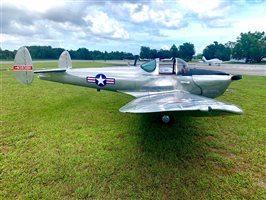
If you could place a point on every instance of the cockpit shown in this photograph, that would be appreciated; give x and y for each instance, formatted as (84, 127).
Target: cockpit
(167, 66)
(176, 66)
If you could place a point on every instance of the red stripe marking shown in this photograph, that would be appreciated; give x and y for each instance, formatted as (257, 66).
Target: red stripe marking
(110, 81)
(22, 67)
(91, 79)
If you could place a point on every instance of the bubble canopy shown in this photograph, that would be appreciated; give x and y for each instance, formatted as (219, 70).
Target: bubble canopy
(172, 66)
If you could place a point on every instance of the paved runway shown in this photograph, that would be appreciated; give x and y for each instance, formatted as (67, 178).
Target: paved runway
(242, 69)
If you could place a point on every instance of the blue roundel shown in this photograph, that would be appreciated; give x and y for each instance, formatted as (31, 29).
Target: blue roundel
(100, 79)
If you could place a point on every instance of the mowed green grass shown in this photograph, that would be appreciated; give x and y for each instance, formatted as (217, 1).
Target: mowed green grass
(66, 142)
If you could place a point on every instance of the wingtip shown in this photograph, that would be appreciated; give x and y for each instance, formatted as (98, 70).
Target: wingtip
(236, 110)
(122, 110)
(239, 111)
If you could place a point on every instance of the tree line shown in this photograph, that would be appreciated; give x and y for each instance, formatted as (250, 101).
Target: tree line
(47, 52)
(184, 51)
(249, 46)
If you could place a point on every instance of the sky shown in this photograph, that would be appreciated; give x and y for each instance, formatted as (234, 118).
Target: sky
(127, 25)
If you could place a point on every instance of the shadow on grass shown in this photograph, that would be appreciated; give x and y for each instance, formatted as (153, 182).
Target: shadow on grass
(182, 140)
(186, 139)
(151, 158)
(173, 160)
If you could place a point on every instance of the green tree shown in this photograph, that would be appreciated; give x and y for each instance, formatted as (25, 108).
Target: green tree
(6, 54)
(83, 54)
(230, 45)
(198, 56)
(174, 51)
(250, 46)
(162, 53)
(186, 51)
(145, 52)
(56, 52)
(217, 50)
(154, 54)
(47, 52)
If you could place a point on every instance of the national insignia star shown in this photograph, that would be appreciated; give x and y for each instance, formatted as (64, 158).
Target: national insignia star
(100, 80)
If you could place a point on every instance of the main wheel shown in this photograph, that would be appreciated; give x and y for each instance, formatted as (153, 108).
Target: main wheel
(166, 119)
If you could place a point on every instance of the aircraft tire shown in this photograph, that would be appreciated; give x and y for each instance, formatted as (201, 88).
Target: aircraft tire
(166, 119)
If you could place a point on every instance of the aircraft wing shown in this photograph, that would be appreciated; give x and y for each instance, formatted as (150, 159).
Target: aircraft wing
(177, 101)
(49, 70)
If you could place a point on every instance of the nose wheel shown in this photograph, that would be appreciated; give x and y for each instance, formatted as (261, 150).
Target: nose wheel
(166, 119)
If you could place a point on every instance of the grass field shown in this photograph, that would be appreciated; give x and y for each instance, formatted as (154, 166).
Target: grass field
(61, 141)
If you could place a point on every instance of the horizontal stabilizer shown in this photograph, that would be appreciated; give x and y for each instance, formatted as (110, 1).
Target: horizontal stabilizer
(48, 70)
(23, 67)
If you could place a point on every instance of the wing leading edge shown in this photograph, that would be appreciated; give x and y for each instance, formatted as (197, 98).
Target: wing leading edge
(49, 70)
(177, 101)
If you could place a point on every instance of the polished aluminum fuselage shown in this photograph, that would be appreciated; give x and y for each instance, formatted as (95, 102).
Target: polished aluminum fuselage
(136, 82)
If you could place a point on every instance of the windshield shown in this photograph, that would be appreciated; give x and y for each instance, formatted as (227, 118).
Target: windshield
(149, 66)
(182, 66)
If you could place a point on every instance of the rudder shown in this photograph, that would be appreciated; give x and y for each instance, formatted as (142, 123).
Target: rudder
(23, 66)
(65, 60)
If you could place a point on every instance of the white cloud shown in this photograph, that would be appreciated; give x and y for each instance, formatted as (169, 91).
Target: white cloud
(139, 13)
(7, 38)
(40, 28)
(99, 23)
(165, 47)
(206, 8)
(212, 13)
(36, 6)
(251, 24)
(159, 1)
(106, 24)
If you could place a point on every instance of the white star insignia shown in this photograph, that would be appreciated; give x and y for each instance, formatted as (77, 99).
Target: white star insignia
(100, 80)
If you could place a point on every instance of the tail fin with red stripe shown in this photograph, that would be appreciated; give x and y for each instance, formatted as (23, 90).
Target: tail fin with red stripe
(23, 66)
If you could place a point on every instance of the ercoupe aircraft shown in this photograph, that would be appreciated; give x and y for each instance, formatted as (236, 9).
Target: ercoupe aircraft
(156, 89)
(214, 61)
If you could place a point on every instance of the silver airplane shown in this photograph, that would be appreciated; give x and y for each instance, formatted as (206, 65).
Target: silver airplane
(214, 61)
(156, 90)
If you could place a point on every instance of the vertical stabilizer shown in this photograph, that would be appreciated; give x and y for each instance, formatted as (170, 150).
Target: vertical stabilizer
(64, 60)
(23, 66)
(204, 59)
